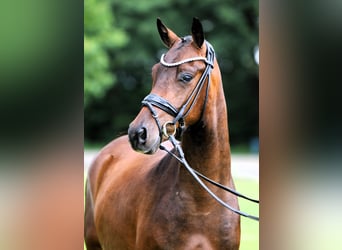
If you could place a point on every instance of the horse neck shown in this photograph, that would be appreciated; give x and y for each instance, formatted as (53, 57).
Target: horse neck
(206, 144)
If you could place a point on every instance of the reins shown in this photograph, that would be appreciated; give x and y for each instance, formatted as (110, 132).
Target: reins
(196, 175)
(153, 100)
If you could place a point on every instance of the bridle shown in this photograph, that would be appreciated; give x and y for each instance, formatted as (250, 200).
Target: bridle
(153, 100)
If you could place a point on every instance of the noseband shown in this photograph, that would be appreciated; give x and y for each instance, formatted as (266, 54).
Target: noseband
(153, 100)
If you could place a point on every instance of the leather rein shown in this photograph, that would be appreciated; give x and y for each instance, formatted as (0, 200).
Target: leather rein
(153, 100)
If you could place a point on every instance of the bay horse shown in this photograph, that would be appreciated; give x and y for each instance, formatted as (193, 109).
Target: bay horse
(139, 197)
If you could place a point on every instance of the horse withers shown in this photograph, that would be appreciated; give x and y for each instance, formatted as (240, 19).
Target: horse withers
(140, 197)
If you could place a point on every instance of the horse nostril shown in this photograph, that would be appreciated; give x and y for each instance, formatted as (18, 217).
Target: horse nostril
(142, 135)
(137, 137)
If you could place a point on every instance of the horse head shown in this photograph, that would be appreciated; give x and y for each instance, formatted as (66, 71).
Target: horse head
(177, 98)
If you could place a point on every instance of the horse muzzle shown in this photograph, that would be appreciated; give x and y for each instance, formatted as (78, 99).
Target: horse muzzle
(142, 140)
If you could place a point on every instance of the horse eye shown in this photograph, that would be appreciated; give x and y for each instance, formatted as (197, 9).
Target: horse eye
(186, 78)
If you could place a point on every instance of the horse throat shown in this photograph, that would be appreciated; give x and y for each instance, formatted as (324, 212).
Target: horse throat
(206, 144)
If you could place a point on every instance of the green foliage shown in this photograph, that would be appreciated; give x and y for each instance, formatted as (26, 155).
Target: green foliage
(100, 37)
(230, 26)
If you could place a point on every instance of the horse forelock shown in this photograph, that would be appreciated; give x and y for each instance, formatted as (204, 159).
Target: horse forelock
(183, 49)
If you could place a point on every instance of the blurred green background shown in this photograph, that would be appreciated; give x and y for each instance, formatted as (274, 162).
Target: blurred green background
(121, 44)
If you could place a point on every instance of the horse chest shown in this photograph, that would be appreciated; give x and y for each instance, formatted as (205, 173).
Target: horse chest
(170, 224)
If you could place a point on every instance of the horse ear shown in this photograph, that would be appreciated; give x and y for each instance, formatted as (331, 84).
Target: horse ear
(167, 36)
(197, 32)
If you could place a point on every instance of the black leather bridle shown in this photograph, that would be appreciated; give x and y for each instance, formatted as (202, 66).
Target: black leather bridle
(153, 100)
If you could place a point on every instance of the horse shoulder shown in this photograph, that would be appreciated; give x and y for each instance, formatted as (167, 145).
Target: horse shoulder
(120, 184)
(95, 175)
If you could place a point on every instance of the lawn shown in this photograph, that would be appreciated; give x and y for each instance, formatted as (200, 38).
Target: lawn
(249, 228)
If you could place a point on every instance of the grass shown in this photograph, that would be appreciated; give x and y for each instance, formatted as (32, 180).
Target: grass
(249, 228)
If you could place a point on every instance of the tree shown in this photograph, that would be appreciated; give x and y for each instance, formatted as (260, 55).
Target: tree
(100, 37)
